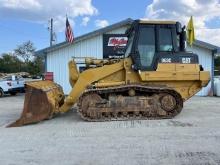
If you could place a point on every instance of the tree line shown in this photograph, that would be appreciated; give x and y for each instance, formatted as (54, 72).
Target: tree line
(22, 59)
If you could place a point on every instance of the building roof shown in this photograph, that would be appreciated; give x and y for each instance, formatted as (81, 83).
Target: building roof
(106, 29)
(207, 46)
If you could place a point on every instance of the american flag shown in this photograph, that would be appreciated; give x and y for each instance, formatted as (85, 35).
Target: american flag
(69, 32)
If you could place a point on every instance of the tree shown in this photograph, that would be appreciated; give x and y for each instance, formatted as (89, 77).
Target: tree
(39, 65)
(10, 63)
(25, 51)
(36, 67)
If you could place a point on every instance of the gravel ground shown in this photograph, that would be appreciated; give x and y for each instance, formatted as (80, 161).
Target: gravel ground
(193, 137)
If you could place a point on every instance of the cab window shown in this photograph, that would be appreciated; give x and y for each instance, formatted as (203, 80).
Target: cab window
(165, 39)
(146, 46)
(129, 45)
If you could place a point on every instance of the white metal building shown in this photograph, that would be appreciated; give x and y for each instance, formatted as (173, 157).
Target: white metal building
(91, 45)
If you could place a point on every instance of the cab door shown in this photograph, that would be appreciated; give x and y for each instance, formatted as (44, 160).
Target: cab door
(146, 47)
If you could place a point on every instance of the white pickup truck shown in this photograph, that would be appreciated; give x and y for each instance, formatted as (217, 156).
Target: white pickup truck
(11, 85)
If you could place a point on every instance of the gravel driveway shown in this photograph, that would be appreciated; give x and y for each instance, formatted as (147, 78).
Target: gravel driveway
(191, 138)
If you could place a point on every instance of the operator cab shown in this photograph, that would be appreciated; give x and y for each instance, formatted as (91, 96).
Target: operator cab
(153, 42)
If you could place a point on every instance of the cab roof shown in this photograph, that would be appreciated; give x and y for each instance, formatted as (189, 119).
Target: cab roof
(145, 21)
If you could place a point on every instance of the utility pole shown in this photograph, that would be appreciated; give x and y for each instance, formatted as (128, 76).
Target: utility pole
(51, 31)
(53, 36)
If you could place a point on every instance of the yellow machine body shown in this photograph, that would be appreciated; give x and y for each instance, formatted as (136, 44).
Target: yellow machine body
(186, 79)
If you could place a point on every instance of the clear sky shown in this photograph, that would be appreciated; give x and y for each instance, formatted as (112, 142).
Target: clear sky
(22, 20)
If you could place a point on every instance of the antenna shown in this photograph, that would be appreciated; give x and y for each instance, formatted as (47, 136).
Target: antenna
(54, 38)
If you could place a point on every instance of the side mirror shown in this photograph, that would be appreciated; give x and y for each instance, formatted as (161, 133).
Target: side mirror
(178, 28)
(183, 39)
(183, 31)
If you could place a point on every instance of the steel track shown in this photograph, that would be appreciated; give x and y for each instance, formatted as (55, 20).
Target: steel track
(117, 115)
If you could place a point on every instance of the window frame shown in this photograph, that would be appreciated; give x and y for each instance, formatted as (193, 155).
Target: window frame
(155, 47)
(130, 42)
(137, 54)
(173, 37)
(163, 30)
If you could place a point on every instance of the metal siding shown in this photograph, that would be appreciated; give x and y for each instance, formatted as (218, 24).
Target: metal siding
(58, 65)
(57, 61)
(205, 59)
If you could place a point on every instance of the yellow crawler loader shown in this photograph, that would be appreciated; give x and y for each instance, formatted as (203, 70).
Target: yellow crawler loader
(152, 80)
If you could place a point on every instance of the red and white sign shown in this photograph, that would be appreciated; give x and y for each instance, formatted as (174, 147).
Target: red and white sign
(117, 41)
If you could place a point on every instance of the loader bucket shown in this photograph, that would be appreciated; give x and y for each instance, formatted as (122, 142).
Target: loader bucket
(42, 101)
